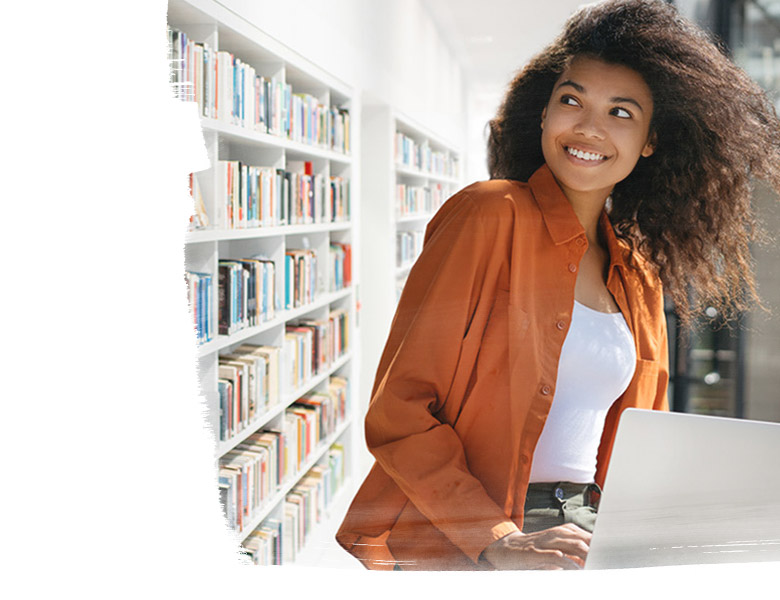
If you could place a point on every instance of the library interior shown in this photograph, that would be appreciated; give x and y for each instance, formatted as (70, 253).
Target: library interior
(332, 139)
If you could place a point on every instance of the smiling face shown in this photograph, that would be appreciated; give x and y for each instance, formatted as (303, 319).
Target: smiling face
(596, 126)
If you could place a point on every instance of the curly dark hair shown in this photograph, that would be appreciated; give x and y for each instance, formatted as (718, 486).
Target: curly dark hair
(687, 208)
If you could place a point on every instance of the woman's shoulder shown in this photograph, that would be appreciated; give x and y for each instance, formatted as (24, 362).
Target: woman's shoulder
(495, 207)
(497, 197)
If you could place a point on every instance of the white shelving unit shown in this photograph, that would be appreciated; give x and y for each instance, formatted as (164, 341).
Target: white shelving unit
(382, 274)
(439, 179)
(210, 22)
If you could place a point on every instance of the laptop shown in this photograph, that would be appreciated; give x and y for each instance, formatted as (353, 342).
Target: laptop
(689, 489)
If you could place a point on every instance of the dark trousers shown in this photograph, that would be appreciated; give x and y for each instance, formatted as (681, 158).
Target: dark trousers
(551, 504)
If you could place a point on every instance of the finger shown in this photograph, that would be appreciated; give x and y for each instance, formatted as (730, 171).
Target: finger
(577, 530)
(574, 547)
(580, 562)
(557, 559)
(566, 564)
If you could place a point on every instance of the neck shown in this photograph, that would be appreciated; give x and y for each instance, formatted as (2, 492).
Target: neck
(588, 206)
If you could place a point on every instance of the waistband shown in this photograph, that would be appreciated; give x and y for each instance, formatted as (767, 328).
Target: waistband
(554, 494)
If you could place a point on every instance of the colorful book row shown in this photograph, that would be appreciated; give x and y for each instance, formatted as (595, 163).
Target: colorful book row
(419, 200)
(199, 288)
(249, 196)
(246, 293)
(305, 505)
(312, 418)
(271, 543)
(250, 474)
(300, 273)
(410, 153)
(255, 469)
(408, 246)
(312, 345)
(340, 266)
(231, 91)
(248, 387)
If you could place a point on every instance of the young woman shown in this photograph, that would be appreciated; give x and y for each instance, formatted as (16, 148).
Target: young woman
(620, 167)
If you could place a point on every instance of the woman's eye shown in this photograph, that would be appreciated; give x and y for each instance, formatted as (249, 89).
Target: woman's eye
(621, 112)
(569, 100)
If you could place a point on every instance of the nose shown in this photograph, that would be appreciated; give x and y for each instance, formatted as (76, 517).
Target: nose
(590, 125)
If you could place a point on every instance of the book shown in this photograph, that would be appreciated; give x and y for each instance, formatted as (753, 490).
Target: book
(199, 290)
(340, 266)
(300, 277)
(233, 91)
(271, 355)
(247, 289)
(408, 246)
(199, 219)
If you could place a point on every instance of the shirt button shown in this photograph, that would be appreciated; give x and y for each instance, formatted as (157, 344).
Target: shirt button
(561, 325)
(580, 242)
(523, 458)
(572, 267)
(546, 389)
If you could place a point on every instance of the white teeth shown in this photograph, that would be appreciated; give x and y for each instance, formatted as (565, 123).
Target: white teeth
(584, 155)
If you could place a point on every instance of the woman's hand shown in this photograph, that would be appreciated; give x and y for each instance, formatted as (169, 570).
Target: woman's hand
(561, 547)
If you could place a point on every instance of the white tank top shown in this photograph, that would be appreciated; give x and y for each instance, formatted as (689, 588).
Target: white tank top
(596, 365)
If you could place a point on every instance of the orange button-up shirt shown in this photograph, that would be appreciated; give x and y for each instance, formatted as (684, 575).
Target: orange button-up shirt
(468, 374)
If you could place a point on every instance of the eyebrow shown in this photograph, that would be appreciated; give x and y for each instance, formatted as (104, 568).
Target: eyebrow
(616, 99)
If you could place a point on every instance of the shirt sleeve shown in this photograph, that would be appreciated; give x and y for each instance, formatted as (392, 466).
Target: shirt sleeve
(453, 279)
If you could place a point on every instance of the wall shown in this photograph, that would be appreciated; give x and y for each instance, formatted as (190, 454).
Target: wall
(392, 51)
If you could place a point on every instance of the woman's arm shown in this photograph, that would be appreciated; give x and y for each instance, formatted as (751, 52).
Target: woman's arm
(448, 294)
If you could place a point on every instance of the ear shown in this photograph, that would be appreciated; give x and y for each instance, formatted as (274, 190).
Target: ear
(649, 148)
(544, 115)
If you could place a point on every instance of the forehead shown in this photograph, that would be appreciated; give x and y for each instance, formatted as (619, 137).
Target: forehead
(608, 79)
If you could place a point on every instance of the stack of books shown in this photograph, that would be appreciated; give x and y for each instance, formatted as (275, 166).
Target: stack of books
(408, 247)
(307, 502)
(412, 200)
(340, 266)
(300, 271)
(250, 474)
(248, 387)
(247, 289)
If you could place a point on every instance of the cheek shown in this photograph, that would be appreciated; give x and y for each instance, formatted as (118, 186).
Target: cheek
(547, 144)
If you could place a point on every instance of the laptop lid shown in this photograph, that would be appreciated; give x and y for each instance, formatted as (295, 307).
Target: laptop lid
(689, 489)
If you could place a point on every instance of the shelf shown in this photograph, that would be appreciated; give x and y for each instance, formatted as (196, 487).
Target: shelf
(211, 22)
(242, 134)
(282, 316)
(318, 379)
(287, 486)
(412, 172)
(322, 300)
(320, 545)
(403, 270)
(414, 218)
(226, 446)
(217, 235)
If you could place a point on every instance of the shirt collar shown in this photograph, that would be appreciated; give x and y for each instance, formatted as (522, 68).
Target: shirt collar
(560, 219)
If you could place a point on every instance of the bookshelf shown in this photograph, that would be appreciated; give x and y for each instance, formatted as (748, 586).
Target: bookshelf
(309, 149)
(393, 224)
